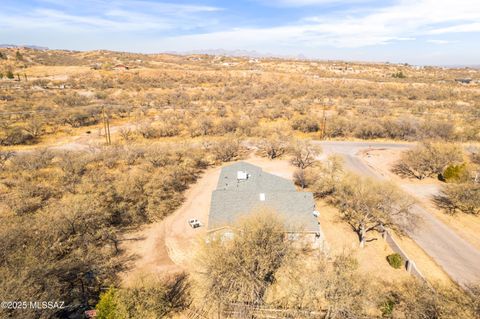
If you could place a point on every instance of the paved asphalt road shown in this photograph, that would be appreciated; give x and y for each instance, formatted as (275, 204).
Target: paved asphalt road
(456, 256)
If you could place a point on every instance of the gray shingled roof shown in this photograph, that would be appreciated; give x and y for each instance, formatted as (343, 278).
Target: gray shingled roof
(257, 181)
(234, 199)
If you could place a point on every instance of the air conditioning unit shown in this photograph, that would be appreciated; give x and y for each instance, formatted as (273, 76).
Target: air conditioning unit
(242, 176)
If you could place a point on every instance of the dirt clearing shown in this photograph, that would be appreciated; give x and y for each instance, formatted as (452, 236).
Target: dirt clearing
(170, 245)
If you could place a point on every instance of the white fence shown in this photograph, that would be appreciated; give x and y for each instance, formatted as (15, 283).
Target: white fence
(409, 263)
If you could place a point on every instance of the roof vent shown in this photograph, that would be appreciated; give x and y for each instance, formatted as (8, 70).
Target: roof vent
(242, 176)
(262, 197)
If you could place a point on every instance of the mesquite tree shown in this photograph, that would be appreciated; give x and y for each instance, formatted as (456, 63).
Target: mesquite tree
(367, 205)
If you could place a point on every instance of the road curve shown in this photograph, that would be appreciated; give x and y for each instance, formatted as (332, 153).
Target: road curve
(459, 259)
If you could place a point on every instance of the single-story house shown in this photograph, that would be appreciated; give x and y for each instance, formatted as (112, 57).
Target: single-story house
(244, 188)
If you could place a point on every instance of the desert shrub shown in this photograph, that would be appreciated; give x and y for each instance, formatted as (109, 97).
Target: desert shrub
(15, 136)
(201, 127)
(33, 161)
(159, 157)
(475, 156)
(5, 156)
(304, 177)
(149, 298)
(132, 155)
(35, 126)
(399, 75)
(71, 100)
(147, 130)
(304, 153)
(456, 173)
(227, 125)
(369, 130)
(226, 149)
(417, 299)
(73, 167)
(106, 306)
(241, 269)
(306, 124)
(402, 128)
(387, 306)
(428, 159)
(81, 118)
(475, 293)
(247, 125)
(18, 56)
(395, 260)
(28, 198)
(438, 129)
(463, 197)
(327, 176)
(274, 145)
(333, 289)
(339, 127)
(126, 134)
(167, 129)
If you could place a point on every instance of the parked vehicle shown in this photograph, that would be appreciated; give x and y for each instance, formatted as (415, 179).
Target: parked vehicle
(194, 223)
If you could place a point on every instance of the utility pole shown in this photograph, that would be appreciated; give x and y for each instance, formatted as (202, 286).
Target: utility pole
(108, 130)
(324, 126)
(106, 126)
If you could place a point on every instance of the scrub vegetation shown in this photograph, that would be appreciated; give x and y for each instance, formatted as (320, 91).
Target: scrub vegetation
(66, 204)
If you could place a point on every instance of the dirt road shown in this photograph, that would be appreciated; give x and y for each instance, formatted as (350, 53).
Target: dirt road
(457, 257)
(350, 150)
(91, 138)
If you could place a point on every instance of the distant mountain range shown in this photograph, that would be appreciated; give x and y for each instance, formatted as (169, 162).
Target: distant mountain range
(459, 66)
(233, 53)
(28, 46)
(238, 53)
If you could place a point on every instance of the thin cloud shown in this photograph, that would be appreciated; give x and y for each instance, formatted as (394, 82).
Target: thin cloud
(404, 21)
(303, 3)
(461, 28)
(436, 41)
(155, 26)
(134, 5)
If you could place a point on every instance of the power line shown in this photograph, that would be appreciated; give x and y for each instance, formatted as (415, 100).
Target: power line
(106, 126)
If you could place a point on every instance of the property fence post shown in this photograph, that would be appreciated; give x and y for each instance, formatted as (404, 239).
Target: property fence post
(410, 265)
(384, 235)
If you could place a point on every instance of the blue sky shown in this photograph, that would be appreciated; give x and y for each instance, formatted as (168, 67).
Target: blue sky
(430, 32)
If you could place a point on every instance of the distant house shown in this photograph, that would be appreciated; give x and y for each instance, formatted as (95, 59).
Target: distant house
(463, 81)
(243, 188)
(121, 67)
